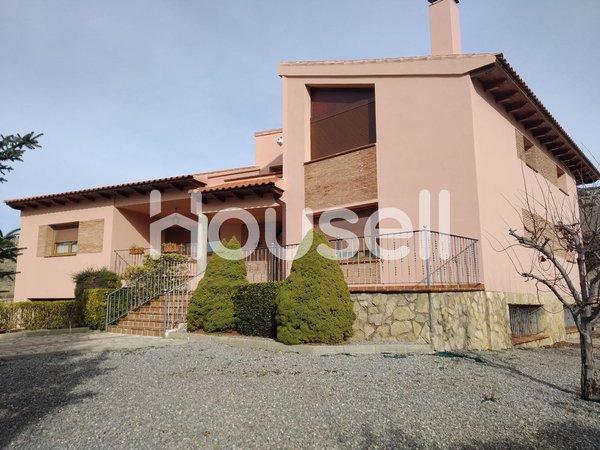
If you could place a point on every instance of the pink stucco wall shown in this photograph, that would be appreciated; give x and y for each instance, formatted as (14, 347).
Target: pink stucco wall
(50, 277)
(503, 183)
(436, 132)
(424, 133)
(267, 152)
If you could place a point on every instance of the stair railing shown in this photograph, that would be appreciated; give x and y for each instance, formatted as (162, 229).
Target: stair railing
(144, 288)
(176, 302)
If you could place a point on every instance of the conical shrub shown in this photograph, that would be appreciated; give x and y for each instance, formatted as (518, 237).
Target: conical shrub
(314, 303)
(211, 305)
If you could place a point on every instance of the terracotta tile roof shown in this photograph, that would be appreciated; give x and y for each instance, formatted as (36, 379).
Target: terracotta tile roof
(263, 180)
(181, 180)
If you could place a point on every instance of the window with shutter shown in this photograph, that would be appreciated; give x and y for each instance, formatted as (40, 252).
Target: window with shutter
(341, 119)
(65, 239)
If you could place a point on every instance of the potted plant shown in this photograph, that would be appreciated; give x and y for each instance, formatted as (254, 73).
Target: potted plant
(136, 250)
(171, 247)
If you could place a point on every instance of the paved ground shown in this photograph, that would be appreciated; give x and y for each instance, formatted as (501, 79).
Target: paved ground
(206, 394)
(25, 344)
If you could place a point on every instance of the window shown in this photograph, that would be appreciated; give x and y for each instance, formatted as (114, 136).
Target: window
(65, 239)
(341, 119)
(525, 320)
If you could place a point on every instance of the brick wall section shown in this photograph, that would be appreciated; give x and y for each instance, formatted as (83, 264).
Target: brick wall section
(91, 236)
(343, 179)
(45, 241)
(539, 161)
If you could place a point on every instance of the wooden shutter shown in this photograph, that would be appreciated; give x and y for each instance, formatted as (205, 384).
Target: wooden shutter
(341, 119)
(91, 236)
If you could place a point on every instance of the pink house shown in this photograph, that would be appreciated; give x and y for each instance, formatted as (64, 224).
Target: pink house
(416, 134)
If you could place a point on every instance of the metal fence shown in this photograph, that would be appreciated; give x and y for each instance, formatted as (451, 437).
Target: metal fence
(412, 258)
(176, 301)
(420, 258)
(135, 257)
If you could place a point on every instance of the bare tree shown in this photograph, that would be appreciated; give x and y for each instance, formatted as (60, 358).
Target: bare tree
(565, 240)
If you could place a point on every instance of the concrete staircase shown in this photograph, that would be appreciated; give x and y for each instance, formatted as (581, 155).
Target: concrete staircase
(149, 319)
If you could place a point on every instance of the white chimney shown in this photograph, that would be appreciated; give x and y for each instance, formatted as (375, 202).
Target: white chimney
(444, 27)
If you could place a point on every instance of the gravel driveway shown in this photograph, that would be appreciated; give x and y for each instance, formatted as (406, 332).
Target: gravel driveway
(201, 394)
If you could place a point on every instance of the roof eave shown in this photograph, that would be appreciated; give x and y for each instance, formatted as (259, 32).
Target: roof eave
(511, 92)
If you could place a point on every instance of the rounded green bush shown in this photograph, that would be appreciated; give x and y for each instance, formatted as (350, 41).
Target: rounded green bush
(314, 304)
(211, 305)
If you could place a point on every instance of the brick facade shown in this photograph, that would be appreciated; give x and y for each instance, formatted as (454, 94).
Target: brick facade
(348, 178)
(91, 236)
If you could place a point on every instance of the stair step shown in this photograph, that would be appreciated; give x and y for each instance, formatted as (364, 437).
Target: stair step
(134, 331)
(136, 315)
(149, 310)
(131, 324)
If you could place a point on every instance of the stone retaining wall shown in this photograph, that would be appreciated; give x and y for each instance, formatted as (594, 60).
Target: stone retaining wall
(459, 320)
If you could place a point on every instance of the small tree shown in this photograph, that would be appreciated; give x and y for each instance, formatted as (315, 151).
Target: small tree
(12, 148)
(211, 306)
(566, 251)
(314, 303)
(8, 250)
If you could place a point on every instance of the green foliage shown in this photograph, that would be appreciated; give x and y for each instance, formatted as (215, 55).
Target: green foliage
(95, 308)
(314, 302)
(150, 264)
(8, 251)
(12, 148)
(92, 279)
(255, 308)
(38, 315)
(211, 305)
(95, 278)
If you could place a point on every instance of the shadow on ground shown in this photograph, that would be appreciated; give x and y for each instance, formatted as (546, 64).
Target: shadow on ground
(33, 387)
(557, 434)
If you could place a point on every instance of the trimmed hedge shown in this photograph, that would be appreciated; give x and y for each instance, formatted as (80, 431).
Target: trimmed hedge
(211, 305)
(94, 311)
(255, 309)
(92, 279)
(314, 303)
(38, 315)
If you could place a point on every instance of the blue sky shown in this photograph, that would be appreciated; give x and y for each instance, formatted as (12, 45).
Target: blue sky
(129, 90)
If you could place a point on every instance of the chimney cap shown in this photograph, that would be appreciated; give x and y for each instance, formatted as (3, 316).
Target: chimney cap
(433, 1)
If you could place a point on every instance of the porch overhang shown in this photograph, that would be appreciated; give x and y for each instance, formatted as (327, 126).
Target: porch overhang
(126, 190)
(242, 188)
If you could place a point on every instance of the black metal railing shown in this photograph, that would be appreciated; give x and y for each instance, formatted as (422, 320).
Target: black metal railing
(146, 287)
(409, 258)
